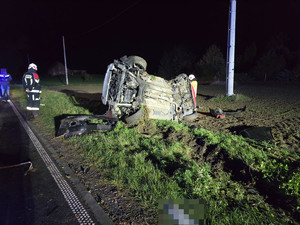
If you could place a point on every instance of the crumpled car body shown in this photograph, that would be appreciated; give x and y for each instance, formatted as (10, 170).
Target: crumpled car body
(130, 92)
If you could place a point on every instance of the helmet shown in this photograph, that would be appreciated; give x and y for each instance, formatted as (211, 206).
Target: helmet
(32, 66)
(192, 77)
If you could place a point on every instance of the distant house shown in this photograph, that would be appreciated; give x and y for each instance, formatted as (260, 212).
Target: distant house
(79, 72)
(58, 69)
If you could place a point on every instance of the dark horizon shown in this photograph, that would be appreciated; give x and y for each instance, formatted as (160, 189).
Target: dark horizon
(98, 32)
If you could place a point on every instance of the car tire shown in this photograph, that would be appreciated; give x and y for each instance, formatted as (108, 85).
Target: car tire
(191, 117)
(136, 60)
(135, 117)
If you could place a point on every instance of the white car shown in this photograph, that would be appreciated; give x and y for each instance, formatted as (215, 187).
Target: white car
(130, 91)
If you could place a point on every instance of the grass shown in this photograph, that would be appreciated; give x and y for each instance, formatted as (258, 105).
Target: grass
(156, 160)
(84, 79)
(55, 103)
(233, 98)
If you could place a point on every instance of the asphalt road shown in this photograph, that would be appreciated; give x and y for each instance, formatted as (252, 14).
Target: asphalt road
(38, 197)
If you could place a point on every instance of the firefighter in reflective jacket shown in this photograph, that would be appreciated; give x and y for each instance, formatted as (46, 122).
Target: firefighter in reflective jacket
(194, 85)
(31, 85)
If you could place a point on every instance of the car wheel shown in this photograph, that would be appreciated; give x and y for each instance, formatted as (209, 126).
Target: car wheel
(136, 60)
(135, 117)
(191, 117)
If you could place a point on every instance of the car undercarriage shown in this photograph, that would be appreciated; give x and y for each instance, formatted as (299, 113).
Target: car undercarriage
(130, 92)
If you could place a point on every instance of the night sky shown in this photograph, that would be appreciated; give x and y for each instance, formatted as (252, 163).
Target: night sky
(96, 32)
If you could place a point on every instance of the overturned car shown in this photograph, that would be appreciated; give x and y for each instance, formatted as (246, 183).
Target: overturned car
(130, 92)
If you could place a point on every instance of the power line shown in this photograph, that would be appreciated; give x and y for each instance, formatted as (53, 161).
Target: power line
(109, 20)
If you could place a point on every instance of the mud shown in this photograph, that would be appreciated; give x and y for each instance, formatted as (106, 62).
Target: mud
(271, 105)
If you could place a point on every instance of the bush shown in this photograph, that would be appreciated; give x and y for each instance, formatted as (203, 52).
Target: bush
(212, 65)
(242, 78)
(175, 61)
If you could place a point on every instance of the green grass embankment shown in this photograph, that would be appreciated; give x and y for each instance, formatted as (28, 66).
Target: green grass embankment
(167, 160)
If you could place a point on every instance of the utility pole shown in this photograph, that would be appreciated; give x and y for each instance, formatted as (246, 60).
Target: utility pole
(28, 59)
(65, 58)
(230, 49)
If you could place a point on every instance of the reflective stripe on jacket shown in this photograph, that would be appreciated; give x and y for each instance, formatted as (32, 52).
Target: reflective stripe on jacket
(5, 78)
(31, 81)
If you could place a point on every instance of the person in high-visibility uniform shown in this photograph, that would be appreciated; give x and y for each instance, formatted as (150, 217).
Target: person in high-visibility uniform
(2, 71)
(5, 79)
(194, 85)
(32, 87)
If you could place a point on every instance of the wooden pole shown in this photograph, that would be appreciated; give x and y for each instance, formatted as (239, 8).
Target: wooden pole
(65, 58)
